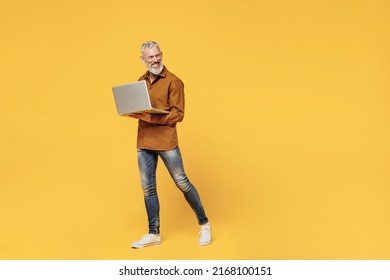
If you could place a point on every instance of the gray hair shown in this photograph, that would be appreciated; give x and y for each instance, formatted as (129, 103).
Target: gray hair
(148, 44)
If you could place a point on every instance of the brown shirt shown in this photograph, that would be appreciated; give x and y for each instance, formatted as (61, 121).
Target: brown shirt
(166, 92)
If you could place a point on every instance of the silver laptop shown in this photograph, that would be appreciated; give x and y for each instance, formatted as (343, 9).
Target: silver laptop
(134, 98)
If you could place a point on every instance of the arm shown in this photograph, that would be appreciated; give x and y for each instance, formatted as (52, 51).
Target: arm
(176, 107)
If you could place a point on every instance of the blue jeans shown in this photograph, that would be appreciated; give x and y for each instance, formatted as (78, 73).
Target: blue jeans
(147, 162)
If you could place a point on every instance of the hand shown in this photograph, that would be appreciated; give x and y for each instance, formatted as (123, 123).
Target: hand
(135, 116)
(141, 116)
(145, 117)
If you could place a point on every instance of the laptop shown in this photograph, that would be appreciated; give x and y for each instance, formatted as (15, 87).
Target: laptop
(134, 98)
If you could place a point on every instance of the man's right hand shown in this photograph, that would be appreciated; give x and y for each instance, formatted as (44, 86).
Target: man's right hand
(135, 116)
(142, 116)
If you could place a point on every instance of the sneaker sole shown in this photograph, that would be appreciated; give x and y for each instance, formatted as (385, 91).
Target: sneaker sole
(145, 245)
(204, 243)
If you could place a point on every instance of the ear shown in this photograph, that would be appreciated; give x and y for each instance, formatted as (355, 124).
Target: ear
(142, 59)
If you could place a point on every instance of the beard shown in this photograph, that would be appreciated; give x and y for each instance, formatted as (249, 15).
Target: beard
(155, 71)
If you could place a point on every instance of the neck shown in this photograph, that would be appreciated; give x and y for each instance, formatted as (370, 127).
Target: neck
(152, 77)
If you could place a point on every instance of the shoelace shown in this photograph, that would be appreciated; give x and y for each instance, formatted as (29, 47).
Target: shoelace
(204, 232)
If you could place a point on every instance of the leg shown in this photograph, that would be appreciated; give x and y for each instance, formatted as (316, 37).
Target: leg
(147, 163)
(173, 161)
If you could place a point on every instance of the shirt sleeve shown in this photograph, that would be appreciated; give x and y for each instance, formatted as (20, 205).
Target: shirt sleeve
(176, 105)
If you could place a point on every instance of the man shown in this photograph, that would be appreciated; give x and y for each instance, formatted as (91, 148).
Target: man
(157, 137)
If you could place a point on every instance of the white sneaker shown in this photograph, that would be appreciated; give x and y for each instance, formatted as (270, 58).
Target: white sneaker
(205, 235)
(147, 240)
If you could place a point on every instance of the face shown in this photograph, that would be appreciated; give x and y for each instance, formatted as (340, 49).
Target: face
(152, 57)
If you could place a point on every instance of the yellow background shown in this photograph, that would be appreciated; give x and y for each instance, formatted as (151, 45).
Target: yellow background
(285, 136)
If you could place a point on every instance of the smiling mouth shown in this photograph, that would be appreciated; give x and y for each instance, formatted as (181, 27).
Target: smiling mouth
(155, 67)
